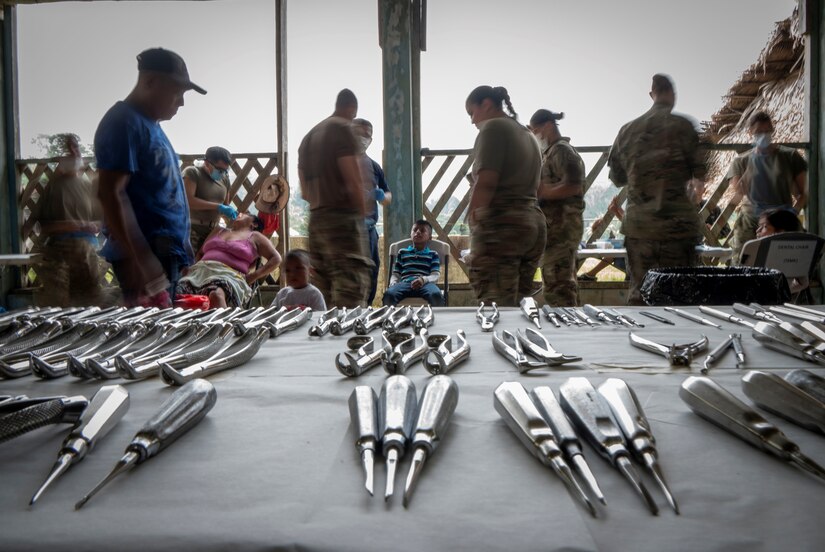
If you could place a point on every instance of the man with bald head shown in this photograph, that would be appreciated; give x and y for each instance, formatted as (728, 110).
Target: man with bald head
(659, 158)
(328, 168)
(140, 185)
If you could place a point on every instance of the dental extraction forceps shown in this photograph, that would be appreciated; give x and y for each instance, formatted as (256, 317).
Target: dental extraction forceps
(487, 321)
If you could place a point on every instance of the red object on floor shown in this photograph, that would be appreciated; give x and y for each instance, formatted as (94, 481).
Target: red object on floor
(186, 301)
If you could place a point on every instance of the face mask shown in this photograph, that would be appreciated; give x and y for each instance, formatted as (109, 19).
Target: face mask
(762, 141)
(365, 142)
(216, 175)
(543, 145)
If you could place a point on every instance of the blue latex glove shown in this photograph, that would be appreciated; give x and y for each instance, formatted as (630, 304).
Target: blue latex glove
(228, 211)
(378, 194)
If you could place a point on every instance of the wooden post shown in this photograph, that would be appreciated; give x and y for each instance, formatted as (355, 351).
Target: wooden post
(281, 118)
(9, 227)
(396, 45)
(811, 19)
(811, 14)
(419, 28)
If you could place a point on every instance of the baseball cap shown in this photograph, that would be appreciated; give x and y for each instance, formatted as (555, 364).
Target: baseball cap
(167, 61)
(216, 154)
(545, 116)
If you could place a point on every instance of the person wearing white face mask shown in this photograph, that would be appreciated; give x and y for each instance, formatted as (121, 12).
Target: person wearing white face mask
(207, 191)
(561, 199)
(764, 178)
(375, 191)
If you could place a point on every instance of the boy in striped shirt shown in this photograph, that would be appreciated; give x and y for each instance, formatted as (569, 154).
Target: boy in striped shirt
(416, 270)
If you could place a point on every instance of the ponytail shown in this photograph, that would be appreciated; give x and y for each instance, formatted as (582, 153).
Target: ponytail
(498, 95)
(504, 96)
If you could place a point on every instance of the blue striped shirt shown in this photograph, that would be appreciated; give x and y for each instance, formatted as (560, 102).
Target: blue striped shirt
(412, 263)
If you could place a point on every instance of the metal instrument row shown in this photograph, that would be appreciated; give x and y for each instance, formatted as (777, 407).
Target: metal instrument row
(610, 419)
(363, 320)
(93, 419)
(588, 315)
(804, 338)
(393, 423)
(177, 344)
(398, 351)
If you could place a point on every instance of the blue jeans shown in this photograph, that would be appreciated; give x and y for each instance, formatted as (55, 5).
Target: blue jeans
(402, 290)
(372, 234)
(171, 262)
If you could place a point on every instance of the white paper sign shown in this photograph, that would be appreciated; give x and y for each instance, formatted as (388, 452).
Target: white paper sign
(792, 257)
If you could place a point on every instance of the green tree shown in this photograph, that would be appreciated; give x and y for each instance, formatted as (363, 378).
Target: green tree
(51, 145)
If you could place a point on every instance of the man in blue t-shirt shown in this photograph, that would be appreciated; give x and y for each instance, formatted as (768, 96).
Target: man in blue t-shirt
(416, 270)
(140, 184)
(375, 191)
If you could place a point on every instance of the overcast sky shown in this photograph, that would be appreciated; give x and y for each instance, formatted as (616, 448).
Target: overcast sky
(591, 59)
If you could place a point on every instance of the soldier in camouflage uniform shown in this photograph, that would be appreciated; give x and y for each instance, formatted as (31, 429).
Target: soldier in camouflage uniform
(765, 178)
(331, 183)
(68, 213)
(561, 199)
(658, 157)
(507, 227)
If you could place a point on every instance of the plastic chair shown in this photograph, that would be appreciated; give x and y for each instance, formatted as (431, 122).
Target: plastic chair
(795, 254)
(443, 250)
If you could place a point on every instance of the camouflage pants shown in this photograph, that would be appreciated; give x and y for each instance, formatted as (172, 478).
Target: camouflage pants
(643, 255)
(744, 230)
(69, 274)
(198, 234)
(340, 256)
(506, 248)
(558, 266)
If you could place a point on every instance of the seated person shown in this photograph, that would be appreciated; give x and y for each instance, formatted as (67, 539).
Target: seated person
(777, 221)
(416, 270)
(223, 263)
(298, 291)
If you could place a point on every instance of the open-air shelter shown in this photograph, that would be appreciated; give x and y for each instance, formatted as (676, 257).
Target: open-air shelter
(441, 194)
(273, 465)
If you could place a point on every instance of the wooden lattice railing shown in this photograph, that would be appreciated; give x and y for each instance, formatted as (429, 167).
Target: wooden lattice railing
(248, 171)
(446, 195)
(446, 200)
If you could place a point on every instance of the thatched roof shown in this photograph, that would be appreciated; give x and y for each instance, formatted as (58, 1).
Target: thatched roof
(774, 83)
(780, 61)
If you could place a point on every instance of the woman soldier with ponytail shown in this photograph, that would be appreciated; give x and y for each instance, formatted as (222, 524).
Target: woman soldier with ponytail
(561, 199)
(507, 229)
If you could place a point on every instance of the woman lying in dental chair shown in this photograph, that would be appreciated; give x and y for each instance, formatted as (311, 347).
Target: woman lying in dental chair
(222, 270)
